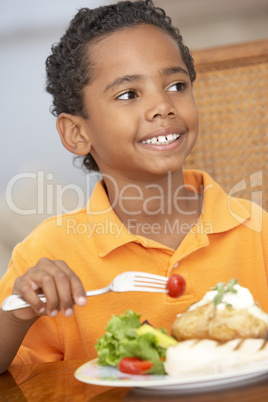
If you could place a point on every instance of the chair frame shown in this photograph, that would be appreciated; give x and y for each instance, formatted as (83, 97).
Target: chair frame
(221, 61)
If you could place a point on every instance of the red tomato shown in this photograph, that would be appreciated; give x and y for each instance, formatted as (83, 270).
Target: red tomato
(176, 285)
(134, 365)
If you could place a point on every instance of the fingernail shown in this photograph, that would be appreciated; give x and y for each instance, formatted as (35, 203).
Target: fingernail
(68, 312)
(53, 313)
(42, 310)
(81, 300)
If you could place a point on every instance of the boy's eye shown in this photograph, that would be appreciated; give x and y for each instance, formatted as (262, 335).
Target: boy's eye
(128, 95)
(178, 87)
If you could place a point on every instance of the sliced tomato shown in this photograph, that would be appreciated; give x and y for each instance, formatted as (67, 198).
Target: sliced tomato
(134, 365)
(176, 285)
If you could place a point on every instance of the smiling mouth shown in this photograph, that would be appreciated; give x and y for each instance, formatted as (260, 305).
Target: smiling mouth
(162, 139)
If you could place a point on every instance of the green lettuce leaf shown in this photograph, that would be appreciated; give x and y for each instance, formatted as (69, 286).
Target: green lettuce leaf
(121, 340)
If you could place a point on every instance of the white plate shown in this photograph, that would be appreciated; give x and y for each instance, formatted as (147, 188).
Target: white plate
(91, 373)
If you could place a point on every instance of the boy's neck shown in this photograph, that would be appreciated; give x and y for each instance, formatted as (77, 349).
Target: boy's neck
(164, 203)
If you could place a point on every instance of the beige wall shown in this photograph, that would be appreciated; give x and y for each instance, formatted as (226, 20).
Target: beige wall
(207, 23)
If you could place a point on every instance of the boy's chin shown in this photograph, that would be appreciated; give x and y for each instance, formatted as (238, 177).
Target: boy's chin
(161, 173)
(165, 170)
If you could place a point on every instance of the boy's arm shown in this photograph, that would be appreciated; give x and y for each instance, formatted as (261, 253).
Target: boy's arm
(62, 289)
(12, 332)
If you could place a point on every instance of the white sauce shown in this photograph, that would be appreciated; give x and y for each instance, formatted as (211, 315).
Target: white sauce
(242, 300)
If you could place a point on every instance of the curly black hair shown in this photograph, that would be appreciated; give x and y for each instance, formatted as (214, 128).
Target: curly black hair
(68, 69)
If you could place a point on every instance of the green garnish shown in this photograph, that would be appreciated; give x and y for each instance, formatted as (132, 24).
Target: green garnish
(223, 288)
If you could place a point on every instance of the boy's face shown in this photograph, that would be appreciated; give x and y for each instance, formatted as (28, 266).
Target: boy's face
(143, 120)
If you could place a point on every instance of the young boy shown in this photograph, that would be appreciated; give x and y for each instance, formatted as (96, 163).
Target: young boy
(121, 81)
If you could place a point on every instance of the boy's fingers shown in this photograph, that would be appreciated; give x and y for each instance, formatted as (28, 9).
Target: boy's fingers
(60, 285)
(57, 281)
(43, 281)
(23, 287)
(48, 286)
(63, 286)
(76, 289)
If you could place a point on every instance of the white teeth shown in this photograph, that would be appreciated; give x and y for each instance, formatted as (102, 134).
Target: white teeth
(170, 137)
(162, 140)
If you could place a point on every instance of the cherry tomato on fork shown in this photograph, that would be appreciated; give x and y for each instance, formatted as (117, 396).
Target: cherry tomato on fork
(134, 365)
(176, 285)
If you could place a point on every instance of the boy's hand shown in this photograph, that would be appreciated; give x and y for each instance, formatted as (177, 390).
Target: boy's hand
(57, 281)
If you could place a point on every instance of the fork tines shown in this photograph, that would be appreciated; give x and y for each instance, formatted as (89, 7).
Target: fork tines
(151, 276)
(150, 282)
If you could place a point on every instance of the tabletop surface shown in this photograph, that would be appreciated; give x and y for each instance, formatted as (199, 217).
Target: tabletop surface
(56, 382)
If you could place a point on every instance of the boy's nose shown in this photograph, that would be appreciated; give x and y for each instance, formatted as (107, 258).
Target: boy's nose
(160, 108)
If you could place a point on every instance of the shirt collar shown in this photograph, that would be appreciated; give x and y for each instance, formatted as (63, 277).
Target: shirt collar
(107, 230)
(220, 213)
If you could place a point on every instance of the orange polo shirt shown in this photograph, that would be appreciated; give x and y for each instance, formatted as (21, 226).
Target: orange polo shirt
(230, 240)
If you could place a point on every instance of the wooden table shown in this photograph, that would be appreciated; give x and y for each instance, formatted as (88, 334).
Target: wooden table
(56, 382)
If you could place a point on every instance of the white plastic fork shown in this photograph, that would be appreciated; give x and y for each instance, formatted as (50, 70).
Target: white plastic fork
(132, 281)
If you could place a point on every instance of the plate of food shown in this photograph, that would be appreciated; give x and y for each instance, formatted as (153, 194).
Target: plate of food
(219, 342)
(92, 373)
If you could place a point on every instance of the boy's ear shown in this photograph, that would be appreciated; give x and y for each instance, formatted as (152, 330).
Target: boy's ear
(72, 134)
